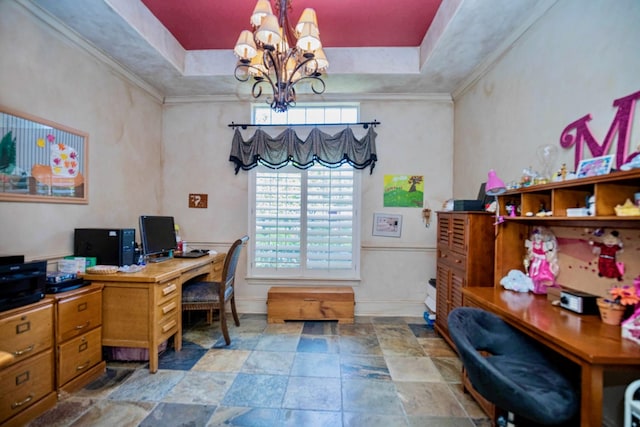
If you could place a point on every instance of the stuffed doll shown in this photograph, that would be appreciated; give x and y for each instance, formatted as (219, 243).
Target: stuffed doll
(542, 257)
(606, 250)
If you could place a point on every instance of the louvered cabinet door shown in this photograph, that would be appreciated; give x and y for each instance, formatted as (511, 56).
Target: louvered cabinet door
(465, 250)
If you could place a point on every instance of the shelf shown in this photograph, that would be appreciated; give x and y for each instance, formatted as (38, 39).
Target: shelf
(609, 191)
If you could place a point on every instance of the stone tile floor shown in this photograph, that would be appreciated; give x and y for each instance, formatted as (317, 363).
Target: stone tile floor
(378, 371)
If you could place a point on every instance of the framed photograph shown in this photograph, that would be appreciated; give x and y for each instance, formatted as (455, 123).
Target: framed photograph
(595, 166)
(41, 161)
(387, 225)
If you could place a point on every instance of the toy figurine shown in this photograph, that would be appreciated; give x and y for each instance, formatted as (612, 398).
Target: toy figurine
(606, 250)
(542, 259)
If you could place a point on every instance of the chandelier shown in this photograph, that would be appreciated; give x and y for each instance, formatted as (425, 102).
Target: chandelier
(267, 55)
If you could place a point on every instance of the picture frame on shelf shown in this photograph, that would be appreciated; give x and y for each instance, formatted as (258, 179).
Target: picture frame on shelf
(595, 166)
(387, 225)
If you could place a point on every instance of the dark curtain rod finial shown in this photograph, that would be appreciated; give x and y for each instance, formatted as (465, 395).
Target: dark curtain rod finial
(244, 126)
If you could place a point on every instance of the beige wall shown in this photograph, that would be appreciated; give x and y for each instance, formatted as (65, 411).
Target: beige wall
(577, 59)
(415, 138)
(44, 74)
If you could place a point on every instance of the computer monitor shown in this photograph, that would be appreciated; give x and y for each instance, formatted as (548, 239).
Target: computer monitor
(158, 236)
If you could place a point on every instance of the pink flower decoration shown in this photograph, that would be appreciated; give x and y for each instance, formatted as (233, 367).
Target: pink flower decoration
(51, 138)
(73, 155)
(56, 161)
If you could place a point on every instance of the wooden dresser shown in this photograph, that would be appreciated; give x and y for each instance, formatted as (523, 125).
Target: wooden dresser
(27, 385)
(465, 258)
(78, 320)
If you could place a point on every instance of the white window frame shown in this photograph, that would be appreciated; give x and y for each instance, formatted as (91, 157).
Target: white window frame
(303, 275)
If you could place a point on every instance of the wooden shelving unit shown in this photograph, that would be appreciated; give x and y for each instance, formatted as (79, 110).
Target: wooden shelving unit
(609, 191)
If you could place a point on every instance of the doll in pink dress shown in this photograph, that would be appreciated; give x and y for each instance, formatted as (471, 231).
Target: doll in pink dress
(542, 259)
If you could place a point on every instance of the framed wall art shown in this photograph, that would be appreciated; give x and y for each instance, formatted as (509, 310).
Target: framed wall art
(387, 225)
(595, 166)
(41, 161)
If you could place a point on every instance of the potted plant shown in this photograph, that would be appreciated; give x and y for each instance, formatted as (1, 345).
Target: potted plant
(613, 309)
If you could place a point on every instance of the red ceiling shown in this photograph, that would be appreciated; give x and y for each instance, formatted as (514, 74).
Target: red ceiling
(216, 24)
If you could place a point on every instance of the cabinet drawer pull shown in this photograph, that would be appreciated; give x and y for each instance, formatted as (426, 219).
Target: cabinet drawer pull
(169, 307)
(83, 326)
(82, 367)
(15, 405)
(458, 261)
(166, 291)
(168, 326)
(23, 351)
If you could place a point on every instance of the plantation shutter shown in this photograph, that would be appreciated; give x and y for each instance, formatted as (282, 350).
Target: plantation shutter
(278, 220)
(329, 219)
(319, 201)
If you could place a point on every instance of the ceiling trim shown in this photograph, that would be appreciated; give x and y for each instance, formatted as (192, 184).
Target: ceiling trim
(342, 97)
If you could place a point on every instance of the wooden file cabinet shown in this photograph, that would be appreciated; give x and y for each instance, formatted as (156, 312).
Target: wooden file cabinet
(78, 337)
(27, 386)
(465, 258)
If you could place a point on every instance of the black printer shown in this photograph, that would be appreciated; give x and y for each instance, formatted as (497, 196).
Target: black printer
(22, 283)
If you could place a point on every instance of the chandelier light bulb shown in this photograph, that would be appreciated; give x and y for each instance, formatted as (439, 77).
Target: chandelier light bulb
(245, 46)
(269, 31)
(309, 39)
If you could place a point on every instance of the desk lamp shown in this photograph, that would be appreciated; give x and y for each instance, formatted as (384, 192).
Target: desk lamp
(495, 187)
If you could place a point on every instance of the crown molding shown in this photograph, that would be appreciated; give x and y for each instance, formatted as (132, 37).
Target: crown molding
(337, 97)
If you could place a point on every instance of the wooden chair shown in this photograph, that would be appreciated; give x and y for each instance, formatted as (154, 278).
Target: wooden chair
(212, 296)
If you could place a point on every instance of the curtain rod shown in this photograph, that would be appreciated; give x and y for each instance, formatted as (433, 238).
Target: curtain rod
(247, 125)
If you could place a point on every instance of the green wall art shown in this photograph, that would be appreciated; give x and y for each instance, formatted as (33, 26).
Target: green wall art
(405, 191)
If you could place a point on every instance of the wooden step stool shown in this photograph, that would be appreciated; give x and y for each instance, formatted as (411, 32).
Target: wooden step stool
(310, 303)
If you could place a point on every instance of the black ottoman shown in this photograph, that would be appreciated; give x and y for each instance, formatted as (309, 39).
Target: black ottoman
(517, 375)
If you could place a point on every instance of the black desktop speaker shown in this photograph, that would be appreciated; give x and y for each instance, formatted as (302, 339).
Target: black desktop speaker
(110, 246)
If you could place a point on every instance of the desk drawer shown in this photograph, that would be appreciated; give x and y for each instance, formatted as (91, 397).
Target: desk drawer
(27, 332)
(167, 328)
(167, 291)
(77, 315)
(167, 311)
(23, 384)
(78, 355)
(198, 271)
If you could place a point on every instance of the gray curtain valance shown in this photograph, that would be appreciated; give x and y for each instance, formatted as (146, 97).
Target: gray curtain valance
(318, 147)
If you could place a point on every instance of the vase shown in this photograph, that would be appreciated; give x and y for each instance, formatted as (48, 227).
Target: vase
(610, 313)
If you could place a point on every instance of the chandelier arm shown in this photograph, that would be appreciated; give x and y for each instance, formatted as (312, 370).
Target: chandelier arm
(314, 80)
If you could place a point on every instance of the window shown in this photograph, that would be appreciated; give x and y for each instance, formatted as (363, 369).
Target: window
(305, 223)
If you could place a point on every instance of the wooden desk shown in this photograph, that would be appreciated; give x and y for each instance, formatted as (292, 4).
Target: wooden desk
(144, 309)
(584, 339)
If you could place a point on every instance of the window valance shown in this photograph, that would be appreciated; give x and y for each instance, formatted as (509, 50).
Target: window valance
(319, 147)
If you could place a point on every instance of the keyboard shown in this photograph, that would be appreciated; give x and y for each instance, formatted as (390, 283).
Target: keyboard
(159, 259)
(191, 254)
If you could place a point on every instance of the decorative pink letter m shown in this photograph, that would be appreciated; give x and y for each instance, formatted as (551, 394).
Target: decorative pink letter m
(621, 125)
